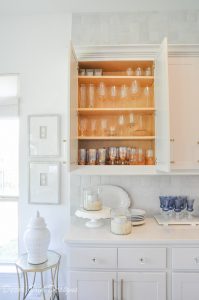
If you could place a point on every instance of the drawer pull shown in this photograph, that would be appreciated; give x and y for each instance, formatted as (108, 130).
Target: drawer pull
(121, 289)
(142, 260)
(196, 259)
(113, 292)
(172, 140)
(94, 259)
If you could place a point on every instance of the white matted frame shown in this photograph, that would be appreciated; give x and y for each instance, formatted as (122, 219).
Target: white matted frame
(44, 135)
(44, 182)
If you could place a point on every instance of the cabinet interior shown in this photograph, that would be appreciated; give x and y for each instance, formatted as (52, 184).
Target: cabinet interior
(121, 110)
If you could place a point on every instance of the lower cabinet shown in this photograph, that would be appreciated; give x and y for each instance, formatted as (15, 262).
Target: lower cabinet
(117, 286)
(185, 286)
(92, 285)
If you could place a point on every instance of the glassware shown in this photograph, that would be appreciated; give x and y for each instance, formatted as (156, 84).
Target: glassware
(147, 71)
(92, 155)
(91, 199)
(123, 92)
(97, 72)
(101, 92)
(103, 127)
(101, 156)
(121, 121)
(129, 72)
(82, 95)
(121, 221)
(122, 153)
(140, 156)
(91, 95)
(140, 129)
(131, 123)
(133, 157)
(82, 156)
(83, 125)
(135, 88)
(178, 206)
(89, 72)
(138, 71)
(112, 130)
(93, 128)
(112, 154)
(147, 95)
(150, 160)
(82, 72)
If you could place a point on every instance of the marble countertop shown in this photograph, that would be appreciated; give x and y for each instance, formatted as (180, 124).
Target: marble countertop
(150, 233)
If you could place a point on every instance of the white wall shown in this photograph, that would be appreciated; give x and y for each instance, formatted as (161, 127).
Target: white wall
(36, 48)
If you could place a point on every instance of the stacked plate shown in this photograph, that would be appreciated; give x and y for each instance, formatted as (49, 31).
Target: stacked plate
(137, 216)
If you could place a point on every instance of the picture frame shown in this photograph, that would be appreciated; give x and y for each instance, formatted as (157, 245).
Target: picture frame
(44, 182)
(44, 135)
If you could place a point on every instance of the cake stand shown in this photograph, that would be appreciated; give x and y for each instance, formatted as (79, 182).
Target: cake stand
(95, 217)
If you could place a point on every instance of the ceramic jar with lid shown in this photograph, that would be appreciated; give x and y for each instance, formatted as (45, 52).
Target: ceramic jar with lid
(37, 240)
(121, 221)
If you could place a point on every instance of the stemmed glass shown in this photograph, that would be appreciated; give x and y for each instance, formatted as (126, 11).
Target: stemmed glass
(140, 130)
(93, 127)
(135, 89)
(122, 153)
(91, 95)
(121, 121)
(190, 203)
(101, 92)
(113, 94)
(112, 155)
(83, 125)
(131, 123)
(103, 127)
(123, 93)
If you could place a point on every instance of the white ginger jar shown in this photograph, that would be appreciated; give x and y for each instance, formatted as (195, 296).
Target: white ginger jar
(37, 240)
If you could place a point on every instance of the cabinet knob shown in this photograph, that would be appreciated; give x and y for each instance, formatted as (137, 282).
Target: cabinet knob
(172, 162)
(142, 260)
(196, 259)
(94, 259)
(172, 140)
(198, 142)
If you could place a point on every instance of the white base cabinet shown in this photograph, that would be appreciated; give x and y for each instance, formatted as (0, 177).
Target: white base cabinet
(185, 286)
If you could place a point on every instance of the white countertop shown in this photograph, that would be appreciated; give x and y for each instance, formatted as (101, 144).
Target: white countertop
(150, 232)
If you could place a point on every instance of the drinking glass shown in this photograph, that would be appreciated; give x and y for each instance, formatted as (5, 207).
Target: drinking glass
(140, 129)
(103, 127)
(82, 156)
(92, 155)
(140, 156)
(129, 72)
(121, 121)
(150, 160)
(91, 95)
(93, 127)
(190, 203)
(112, 155)
(123, 92)
(131, 123)
(147, 71)
(113, 91)
(133, 157)
(147, 95)
(83, 125)
(123, 152)
(82, 95)
(138, 71)
(178, 206)
(135, 89)
(101, 156)
(101, 93)
(112, 130)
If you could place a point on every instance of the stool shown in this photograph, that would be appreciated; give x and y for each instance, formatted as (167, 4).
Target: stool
(52, 265)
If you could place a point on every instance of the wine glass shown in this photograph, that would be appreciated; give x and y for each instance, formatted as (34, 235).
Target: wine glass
(123, 93)
(112, 154)
(140, 129)
(91, 95)
(113, 94)
(121, 124)
(93, 127)
(147, 95)
(131, 123)
(82, 95)
(103, 127)
(83, 125)
(135, 88)
(102, 92)
(122, 152)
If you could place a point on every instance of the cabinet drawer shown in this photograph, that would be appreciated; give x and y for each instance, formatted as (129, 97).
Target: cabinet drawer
(185, 258)
(142, 258)
(93, 258)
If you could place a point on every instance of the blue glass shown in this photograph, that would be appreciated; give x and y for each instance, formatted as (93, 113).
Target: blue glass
(190, 203)
(161, 201)
(178, 204)
(172, 202)
(166, 203)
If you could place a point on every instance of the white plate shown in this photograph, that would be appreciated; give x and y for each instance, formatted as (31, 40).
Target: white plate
(137, 212)
(138, 223)
(114, 196)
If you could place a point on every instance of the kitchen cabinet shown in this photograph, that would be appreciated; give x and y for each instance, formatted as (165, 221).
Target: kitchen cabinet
(184, 107)
(185, 286)
(151, 113)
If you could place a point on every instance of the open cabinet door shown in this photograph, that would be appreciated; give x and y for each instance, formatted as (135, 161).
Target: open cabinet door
(72, 110)
(162, 109)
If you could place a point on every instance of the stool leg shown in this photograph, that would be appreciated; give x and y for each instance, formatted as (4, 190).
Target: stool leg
(42, 286)
(19, 284)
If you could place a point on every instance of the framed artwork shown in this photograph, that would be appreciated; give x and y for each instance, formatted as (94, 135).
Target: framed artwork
(44, 182)
(44, 135)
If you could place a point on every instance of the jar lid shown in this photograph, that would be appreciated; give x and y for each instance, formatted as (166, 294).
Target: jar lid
(37, 222)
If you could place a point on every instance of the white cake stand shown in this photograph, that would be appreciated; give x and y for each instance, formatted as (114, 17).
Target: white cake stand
(94, 216)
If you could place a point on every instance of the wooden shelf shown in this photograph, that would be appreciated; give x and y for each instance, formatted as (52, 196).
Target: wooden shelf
(119, 138)
(115, 111)
(117, 80)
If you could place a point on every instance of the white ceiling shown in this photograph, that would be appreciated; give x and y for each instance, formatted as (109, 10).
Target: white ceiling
(22, 7)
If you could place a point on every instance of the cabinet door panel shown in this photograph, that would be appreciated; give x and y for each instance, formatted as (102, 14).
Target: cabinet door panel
(162, 109)
(184, 107)
(139, 286)
(72, 110)
(185, 286)
(92, 285)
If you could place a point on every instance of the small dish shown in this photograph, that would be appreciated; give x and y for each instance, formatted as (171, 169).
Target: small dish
(137, 223)
(137, 212)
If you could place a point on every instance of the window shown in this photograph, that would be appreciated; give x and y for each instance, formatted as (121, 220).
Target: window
(9, 191)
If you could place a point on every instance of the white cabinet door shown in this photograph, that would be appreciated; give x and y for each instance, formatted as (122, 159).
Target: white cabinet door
(140, 286)
(185, 286)
(184, 108)
(72, 111)
(162, 109)
(92, 285)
